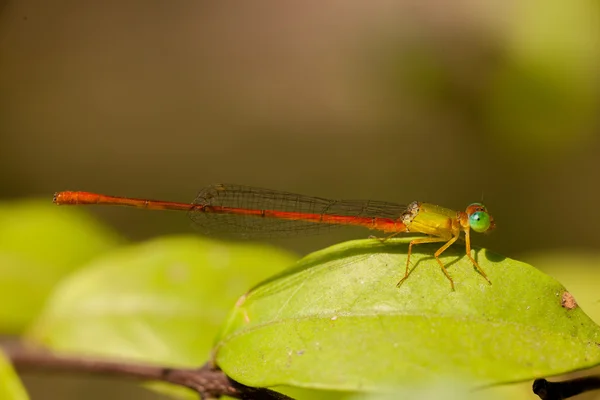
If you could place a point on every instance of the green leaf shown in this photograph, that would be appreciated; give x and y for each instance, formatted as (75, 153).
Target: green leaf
(337, 321)
(447, 390)
(578, 271)
(10, 385)
(40, 243)
(540, 100)
(160, 301)
(442, 389)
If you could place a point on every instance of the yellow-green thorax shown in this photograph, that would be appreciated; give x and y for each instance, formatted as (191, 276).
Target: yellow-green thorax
(432, 220)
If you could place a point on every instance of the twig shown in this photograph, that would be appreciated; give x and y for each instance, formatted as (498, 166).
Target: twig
(207, 381)
(566, 389)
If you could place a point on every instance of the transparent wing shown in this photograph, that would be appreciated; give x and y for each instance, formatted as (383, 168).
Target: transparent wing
(235, 199)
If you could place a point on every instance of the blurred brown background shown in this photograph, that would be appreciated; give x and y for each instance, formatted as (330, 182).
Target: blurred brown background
(389, 100)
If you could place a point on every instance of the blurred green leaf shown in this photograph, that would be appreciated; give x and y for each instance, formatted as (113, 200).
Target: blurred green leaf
(446, 390)
(10, 384)
(160, 301)
(449, 390)
(40, 243)
(545, 98)
(338, 322)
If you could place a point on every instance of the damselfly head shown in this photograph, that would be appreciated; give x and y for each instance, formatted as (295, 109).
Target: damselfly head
(479, 218)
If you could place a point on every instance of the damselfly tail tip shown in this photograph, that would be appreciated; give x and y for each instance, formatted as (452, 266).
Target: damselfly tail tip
(60, 198)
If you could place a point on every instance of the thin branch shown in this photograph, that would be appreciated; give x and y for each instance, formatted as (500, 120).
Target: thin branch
(207, 381)
(566, 389)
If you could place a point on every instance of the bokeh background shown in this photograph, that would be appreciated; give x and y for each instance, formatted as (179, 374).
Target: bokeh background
(390, 100)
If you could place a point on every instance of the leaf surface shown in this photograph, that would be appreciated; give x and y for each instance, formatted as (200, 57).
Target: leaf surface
(159, 301)
(337, 321)
(10, 384)
(40, 244)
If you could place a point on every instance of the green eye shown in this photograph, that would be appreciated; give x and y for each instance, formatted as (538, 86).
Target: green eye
(479, 221)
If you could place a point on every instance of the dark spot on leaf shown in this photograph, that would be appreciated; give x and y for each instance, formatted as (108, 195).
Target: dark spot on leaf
(568, 301)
